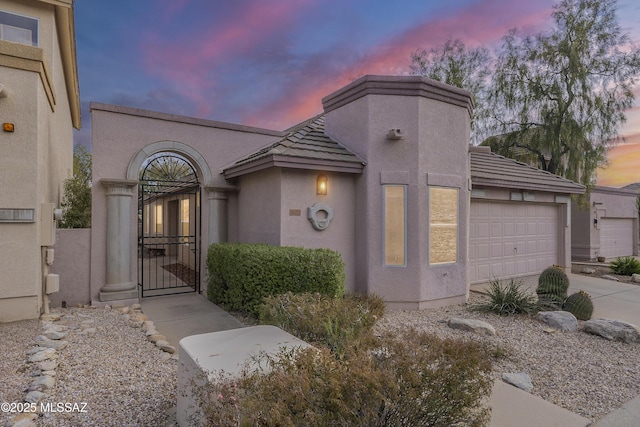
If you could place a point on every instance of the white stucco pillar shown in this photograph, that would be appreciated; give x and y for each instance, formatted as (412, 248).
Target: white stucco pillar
(118, 268)
(217, 215)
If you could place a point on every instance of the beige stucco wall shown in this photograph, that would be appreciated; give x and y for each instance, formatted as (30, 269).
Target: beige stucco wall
(123, 135)
(299, 193)
(35, 159)
(603, 202)
(432, 152)
(72, 257)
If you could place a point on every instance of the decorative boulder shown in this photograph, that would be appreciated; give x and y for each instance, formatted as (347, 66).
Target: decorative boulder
(613, 330)
(635, 277)
(471, 325)
(560, 320)
(521, 380)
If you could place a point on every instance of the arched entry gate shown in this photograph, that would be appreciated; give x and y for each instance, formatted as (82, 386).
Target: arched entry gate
(168, 226)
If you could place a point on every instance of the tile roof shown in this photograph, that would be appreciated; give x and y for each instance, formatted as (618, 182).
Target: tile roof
(304, 145)
(490, 169)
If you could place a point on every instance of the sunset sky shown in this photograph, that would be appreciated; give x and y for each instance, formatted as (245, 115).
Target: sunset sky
(268, 63)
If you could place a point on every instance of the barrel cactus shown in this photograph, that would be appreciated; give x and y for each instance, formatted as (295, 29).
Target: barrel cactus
(580, 305)
(553, 284)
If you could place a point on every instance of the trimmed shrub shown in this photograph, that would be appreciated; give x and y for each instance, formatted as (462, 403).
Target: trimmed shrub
(507, 298)
(316, 318)
(241, 275)
(553, 284)
(580, 305)
(625, 266)
(412, 380)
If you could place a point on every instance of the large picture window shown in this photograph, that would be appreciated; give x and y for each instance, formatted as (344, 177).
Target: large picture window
(395, 225)
(18, 29)
(443, 225)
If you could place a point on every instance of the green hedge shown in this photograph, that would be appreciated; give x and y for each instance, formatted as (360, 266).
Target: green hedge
(241, 275)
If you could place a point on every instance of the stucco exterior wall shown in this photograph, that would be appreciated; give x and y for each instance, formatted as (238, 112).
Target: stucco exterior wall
(35, 159)
(259, 200)
(433, 152)
(298, 194)
(122, 135)
(603, 202)
(72, 260)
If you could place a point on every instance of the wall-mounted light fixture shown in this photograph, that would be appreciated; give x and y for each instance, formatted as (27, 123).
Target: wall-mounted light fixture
(321, 185)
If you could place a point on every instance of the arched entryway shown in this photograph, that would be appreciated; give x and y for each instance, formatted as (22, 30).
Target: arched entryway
(169, 226)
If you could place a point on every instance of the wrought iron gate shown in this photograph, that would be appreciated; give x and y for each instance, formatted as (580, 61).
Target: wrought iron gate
(168, 227)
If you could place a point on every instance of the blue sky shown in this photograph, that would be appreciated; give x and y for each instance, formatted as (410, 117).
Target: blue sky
(268, 63)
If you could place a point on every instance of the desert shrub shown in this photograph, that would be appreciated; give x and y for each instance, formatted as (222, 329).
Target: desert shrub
(580, 305)
(241, 275)
(625, 266)
(507, 298)
(553, 284)
(413, 380)
(316, 318)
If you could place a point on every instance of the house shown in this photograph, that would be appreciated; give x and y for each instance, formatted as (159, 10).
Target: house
(384, 175)
(39, 107)
(607, 226)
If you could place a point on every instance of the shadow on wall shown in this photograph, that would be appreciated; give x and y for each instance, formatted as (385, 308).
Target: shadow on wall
(72, 263)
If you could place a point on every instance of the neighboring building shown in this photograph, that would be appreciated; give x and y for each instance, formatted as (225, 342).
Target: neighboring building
(607, 226)
(39, 107)
(385, 176)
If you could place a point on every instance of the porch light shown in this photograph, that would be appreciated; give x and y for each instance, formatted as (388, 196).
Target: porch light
(321, 185)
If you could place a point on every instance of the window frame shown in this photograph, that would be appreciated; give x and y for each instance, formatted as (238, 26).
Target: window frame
(34, 26)
(384, 225)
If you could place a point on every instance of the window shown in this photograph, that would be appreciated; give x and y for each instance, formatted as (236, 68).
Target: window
(184, 218)
(147, 218)
(18, 29)
(395, 225)
(158, 219)
(443, 225)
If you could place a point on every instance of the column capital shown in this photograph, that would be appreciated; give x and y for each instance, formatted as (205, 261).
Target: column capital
(119, 187)
(219, 192)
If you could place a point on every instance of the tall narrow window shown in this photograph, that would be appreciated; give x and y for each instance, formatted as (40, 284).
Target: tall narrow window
(147, 219)
(443, 225)
(394, 225)
(184, 218)
(18, 28)
(158, 219)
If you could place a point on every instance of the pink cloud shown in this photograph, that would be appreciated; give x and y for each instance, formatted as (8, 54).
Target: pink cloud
(623, 164)
(482, 24)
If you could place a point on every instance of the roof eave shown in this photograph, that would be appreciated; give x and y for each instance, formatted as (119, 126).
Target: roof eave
(293, 163)
(574, 189)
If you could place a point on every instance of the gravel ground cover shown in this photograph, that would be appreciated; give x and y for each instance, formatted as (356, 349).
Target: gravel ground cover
(126, 380)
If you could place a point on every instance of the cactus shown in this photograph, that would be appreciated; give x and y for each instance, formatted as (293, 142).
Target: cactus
(580, 305)
(553, 284)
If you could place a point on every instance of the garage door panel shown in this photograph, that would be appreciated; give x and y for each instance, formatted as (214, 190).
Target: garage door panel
(522, 239)
(616, 237)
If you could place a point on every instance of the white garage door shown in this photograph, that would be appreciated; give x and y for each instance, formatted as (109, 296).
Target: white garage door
(511, 239)
(616, 237)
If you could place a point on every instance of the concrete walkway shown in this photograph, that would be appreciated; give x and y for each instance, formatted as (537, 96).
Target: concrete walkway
(183, 315)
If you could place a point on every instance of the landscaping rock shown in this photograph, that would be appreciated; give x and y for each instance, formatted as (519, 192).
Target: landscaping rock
(635, 278)
(124, 310)
(608, 277)
(147, 325)
(48, 365)
(43, 341)
(55, 327)
(34, 396)
(521, 380)
(613, 330)
(588, 270)
(45, 382)
(27, 419)
(156, 337)
(54, 335)
(46, 354)
(476, 326)
(166, 347)
(138, 317)
(52, 317)
(560, 320)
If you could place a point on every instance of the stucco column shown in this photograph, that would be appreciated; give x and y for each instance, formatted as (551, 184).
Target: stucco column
(118, 285)
(217, 214)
